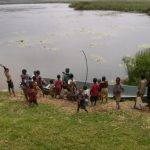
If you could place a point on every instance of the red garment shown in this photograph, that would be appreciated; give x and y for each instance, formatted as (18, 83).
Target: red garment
(58, 87)
(31, 94)
(94, 89)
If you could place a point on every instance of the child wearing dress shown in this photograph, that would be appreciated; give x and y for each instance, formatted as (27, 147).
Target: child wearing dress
(117, 91)
(58, 86)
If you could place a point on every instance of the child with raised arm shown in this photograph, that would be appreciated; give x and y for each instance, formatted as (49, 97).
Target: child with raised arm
(9, 80)
(117, 91)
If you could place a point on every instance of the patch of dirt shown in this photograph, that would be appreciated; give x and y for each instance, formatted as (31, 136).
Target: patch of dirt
(71, 106)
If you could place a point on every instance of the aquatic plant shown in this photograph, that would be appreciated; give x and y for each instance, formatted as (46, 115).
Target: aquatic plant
(126, 6)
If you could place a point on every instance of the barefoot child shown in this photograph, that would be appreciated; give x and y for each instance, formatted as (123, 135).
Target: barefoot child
(94, 92)
(58, 87)
(117, 91)
(51, 88)
(9, 80)
(104, 89)
(86, 94)
(81, 101)
(25, 78)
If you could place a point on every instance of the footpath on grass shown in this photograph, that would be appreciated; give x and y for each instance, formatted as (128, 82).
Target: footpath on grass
(71, 106)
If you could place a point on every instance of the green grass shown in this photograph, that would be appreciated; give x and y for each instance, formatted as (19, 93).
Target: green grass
(116, 5)
(47, 128)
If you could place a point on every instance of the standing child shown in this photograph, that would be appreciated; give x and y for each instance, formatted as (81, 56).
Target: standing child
(104, 89)
(86, 94)
(32, 95)
(9, 80)
(25, 78)
(81, 101)
(51, 88)
(72, 87)
(117, 91)
(39, 81)
(142, 86)
(58, 86)
(94, 92)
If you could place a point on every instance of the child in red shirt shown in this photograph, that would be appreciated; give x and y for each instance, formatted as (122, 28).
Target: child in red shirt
(94, 92)
(32, 95)
(58, 86)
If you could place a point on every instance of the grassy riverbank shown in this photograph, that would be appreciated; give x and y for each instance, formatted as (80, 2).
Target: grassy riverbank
(126, 6)
(50, 127)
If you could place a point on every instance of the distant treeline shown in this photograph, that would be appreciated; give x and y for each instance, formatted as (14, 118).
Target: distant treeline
(115, 5)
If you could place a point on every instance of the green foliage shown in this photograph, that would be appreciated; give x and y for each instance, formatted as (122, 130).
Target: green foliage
(47, 128)
(126, 6)
(137, 66)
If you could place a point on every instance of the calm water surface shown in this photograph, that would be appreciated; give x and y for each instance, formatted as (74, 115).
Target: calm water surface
(53, 36)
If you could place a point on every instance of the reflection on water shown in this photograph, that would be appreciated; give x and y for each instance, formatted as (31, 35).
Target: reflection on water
(51, 37)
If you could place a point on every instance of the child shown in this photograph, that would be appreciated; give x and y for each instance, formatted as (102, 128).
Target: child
(36, 87)
(117, 90)
(32, 95)
(142, 86)
(138, 102)
(39, 81)
(104, 89)
(72, 87)
(66, 77)
(25, 78)
(86, 94)
(51, 88)
(81, 101)
(58, 86)
(94, 92)
(9, 80)
(64, 92)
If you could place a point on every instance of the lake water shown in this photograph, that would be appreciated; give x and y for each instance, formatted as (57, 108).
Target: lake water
(51, 37)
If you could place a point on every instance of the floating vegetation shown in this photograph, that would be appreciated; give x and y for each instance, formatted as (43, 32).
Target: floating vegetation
(54, 49)
(108, 13)
(93, 44)
(125, 6)
(97, 58)
(124, 27)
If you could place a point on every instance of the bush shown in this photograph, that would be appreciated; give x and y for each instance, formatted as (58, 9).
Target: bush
(137, 66)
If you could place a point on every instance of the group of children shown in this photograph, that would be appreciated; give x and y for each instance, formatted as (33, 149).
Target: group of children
(66, 88)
